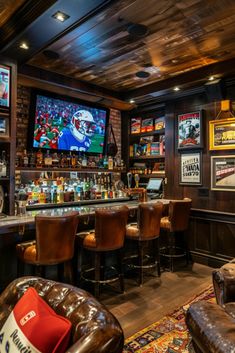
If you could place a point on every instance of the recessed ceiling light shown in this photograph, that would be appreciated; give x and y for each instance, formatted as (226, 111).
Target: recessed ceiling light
(211, 78)
(142, 74)
(23, 45)
(137, 30)
(176, 88)
(60, 16)
(132, 101)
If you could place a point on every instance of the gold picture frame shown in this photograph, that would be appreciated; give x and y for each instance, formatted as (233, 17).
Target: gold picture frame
(222, 134)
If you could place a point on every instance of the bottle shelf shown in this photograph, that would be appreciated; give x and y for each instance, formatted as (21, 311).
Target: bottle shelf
(153, 175)
(79, 170)
(148, 157)
(150, 133)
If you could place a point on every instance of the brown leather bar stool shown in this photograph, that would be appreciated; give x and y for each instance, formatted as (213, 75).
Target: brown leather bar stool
(176, 221)
(54, 244)
(108, 236)
(146, 230)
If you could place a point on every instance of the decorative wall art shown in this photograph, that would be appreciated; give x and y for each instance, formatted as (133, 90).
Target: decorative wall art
(189, 130)
(4, 126)
(222, 134)
(4, 87)
(223, 173)
(190, 168)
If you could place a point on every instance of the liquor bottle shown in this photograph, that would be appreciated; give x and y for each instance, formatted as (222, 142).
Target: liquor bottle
(55, 160)
(69, 157)
(105, 162)
(110, 163)
(3, 165)
(73, 161)
(32, 159)
(25, 159)
(39, 159)
(63, 161)
(84, 161)
(48, 159)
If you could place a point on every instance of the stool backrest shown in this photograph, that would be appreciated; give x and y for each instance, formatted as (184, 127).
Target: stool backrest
(55, 236)
(179, 211)
(149, 217)
(110, 227)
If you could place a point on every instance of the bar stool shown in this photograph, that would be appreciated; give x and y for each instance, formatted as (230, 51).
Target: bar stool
(54, 244)
(145, 230)
(108, 236)
(176, 222)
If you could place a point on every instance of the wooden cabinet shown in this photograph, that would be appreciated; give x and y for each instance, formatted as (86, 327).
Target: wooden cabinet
(8, 69)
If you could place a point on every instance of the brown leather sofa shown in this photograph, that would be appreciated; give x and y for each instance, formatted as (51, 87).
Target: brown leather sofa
(94, 328)
(212, 326)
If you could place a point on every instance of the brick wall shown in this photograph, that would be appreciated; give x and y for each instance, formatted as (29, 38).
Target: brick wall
(23, 103)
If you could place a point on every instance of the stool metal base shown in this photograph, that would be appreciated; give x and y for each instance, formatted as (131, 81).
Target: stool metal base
(173, 253)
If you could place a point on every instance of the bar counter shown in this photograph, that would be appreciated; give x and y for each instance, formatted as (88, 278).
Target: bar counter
(15, 229)
(9, 224)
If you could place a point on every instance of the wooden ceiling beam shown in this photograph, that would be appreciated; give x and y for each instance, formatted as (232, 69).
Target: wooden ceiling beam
(187, 79)
(45, 80)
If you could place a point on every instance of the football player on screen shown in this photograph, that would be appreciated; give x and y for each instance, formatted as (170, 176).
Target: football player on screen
(76, 135)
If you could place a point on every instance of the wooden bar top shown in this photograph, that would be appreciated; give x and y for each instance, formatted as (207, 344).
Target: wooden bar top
(8, 223)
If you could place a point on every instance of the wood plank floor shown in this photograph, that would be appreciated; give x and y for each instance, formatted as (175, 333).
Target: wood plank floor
(139, 307)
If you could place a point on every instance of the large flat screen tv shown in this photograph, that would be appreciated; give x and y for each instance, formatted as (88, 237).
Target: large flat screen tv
(65, 124)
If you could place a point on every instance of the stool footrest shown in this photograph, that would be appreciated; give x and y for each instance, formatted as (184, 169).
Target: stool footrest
(172, 252)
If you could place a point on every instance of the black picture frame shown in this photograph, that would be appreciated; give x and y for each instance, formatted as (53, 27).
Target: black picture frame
(191, 168)
(223, 173)
(189, 130)
(5, 87)
(4, 126)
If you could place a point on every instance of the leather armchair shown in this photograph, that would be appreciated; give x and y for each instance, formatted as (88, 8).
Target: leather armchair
(212, 326)
(94, 328)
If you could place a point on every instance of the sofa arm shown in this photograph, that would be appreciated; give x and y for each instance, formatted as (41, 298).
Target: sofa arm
(211, 327)
(95, 342)
(224, 283)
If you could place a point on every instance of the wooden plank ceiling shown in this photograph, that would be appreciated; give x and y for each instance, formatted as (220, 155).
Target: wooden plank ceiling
(105, 49)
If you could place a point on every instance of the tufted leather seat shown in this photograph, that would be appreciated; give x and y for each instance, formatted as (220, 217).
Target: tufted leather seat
(54, 244)
(212, 326)
(176, 221)
(145, 230)
(109, 235)
(94, 328)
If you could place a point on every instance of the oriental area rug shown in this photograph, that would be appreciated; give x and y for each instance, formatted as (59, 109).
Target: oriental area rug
(168, 335)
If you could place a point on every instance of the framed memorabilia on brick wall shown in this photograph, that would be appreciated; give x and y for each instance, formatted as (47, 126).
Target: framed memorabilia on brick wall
(222, 134)
(223, 173)
(189, 130)
(191, 168)
(4, 126)
(4, 87)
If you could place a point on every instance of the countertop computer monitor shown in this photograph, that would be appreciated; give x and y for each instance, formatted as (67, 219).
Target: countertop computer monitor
(154, 185)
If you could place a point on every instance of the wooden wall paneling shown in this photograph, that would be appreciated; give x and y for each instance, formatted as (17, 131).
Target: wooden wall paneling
(170, 151)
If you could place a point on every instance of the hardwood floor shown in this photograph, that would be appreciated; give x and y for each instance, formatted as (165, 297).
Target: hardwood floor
(139, 307)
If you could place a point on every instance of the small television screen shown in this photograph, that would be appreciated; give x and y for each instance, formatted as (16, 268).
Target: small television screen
(4, 87)
(154, 184)
(65, 124)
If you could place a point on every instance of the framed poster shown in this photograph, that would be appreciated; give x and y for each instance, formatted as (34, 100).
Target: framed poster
(223, 173)
(4, 126)
(4, 87)
(222, 134)
(191, 168)
(189, 131)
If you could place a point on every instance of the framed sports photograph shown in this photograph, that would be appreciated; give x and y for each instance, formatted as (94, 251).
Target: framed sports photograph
(4, 87)
(223, 173)
(4, 126)
(222, 134)
(189, 130)
(191, 168)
